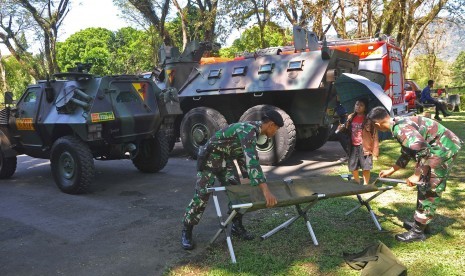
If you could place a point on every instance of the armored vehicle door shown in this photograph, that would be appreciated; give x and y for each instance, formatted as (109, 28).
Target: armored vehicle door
(135, 107)
(26, 117)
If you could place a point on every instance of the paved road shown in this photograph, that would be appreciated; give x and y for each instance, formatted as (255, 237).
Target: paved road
(129, 224)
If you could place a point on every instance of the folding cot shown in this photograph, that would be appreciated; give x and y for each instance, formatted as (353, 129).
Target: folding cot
(302, 193)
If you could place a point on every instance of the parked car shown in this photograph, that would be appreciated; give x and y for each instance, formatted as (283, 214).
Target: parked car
(412, 96)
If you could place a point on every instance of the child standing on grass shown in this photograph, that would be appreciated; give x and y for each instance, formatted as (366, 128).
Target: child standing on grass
(364, 144)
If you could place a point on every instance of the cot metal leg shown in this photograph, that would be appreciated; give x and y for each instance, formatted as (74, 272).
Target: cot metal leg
(231, 249)
(366, 203)
(307, 222)
(279, 228)
(301, 213)
(225, 226)
(375, 220)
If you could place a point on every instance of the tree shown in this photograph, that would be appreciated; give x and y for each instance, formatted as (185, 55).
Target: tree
(245, 12)
(152, 12)
(15, 22)
(132, 52)
(208, 12)
(458, 70)
(250, 40)
(3, 83)
(15, 76)
(92, 45)
(433, 42)
(48, 15)
(191, 29)
(127, 51)
(156, 12)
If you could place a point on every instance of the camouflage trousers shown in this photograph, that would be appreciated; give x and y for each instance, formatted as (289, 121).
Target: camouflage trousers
(429, 196)
(205, 180)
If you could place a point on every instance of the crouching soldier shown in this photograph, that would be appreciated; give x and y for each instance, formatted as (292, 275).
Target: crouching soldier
(434, 147)
(215, 160)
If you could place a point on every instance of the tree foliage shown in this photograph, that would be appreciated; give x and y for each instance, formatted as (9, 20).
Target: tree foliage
(155, 13)
(38, 20)
(245, 12)
(250, 40)
(15, 23)
(458, 70)
(127, 51)
(132, 52)
(92, 45)
(16, 77)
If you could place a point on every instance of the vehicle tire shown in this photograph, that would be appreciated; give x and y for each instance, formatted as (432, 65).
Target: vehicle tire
(272, 151)
(7, 166)
(171, 142)
(152, 155)
(314, 142)
(197, 126)
(72, 165)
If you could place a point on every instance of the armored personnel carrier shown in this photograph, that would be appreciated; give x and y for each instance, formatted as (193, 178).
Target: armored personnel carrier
(78, 117)
(298, 84)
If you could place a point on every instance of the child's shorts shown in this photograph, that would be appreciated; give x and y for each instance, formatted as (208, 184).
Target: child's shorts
(359, 161)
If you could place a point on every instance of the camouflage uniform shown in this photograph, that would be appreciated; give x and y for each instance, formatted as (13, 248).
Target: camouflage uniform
(429, 143)
(235, 142)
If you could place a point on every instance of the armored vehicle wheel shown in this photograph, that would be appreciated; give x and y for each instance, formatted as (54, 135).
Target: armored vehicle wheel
(72, 165)
(7, 166)
(152, 155)
(198, 125)
(271, 151)
(314, 142)
(171, 142)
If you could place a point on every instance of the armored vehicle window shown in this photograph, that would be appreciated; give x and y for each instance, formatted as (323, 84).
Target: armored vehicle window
(295, 65)
(239, 71)
(126, 97)
(215, 73)
(31, 97)
(266, 68)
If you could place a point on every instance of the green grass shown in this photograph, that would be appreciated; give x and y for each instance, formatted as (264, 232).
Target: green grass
(291, 252)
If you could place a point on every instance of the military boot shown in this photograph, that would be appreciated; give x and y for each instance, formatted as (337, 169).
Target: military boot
(239, 230)
(416, 233)
(409, 224)
(186, 237)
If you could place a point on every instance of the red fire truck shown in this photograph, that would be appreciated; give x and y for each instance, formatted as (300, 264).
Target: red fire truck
(381, 62)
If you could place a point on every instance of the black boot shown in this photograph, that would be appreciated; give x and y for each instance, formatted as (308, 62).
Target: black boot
(437, 118)
(239, 230)
(408, 225)
(186, 237)
(416, 233)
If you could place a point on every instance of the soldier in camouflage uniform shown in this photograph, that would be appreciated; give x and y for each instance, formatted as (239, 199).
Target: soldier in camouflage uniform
(434, 147)
(215, 160)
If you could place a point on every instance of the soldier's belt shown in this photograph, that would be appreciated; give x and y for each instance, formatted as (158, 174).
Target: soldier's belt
(302, 193)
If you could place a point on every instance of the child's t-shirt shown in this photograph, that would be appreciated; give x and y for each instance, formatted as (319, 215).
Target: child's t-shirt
(357, 123)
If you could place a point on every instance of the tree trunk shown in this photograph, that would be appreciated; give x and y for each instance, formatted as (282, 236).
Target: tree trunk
(183, 17)
(3, 83)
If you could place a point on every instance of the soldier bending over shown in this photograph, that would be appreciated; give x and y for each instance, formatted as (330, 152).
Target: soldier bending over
(215, 160)
(434, 147)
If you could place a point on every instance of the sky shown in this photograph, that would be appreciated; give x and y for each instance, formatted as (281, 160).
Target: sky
(91, 13)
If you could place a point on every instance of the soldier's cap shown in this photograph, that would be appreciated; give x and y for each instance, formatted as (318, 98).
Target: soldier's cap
(273, 116)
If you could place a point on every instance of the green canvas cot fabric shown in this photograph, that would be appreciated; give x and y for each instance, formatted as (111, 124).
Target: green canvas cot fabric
(299, 191)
